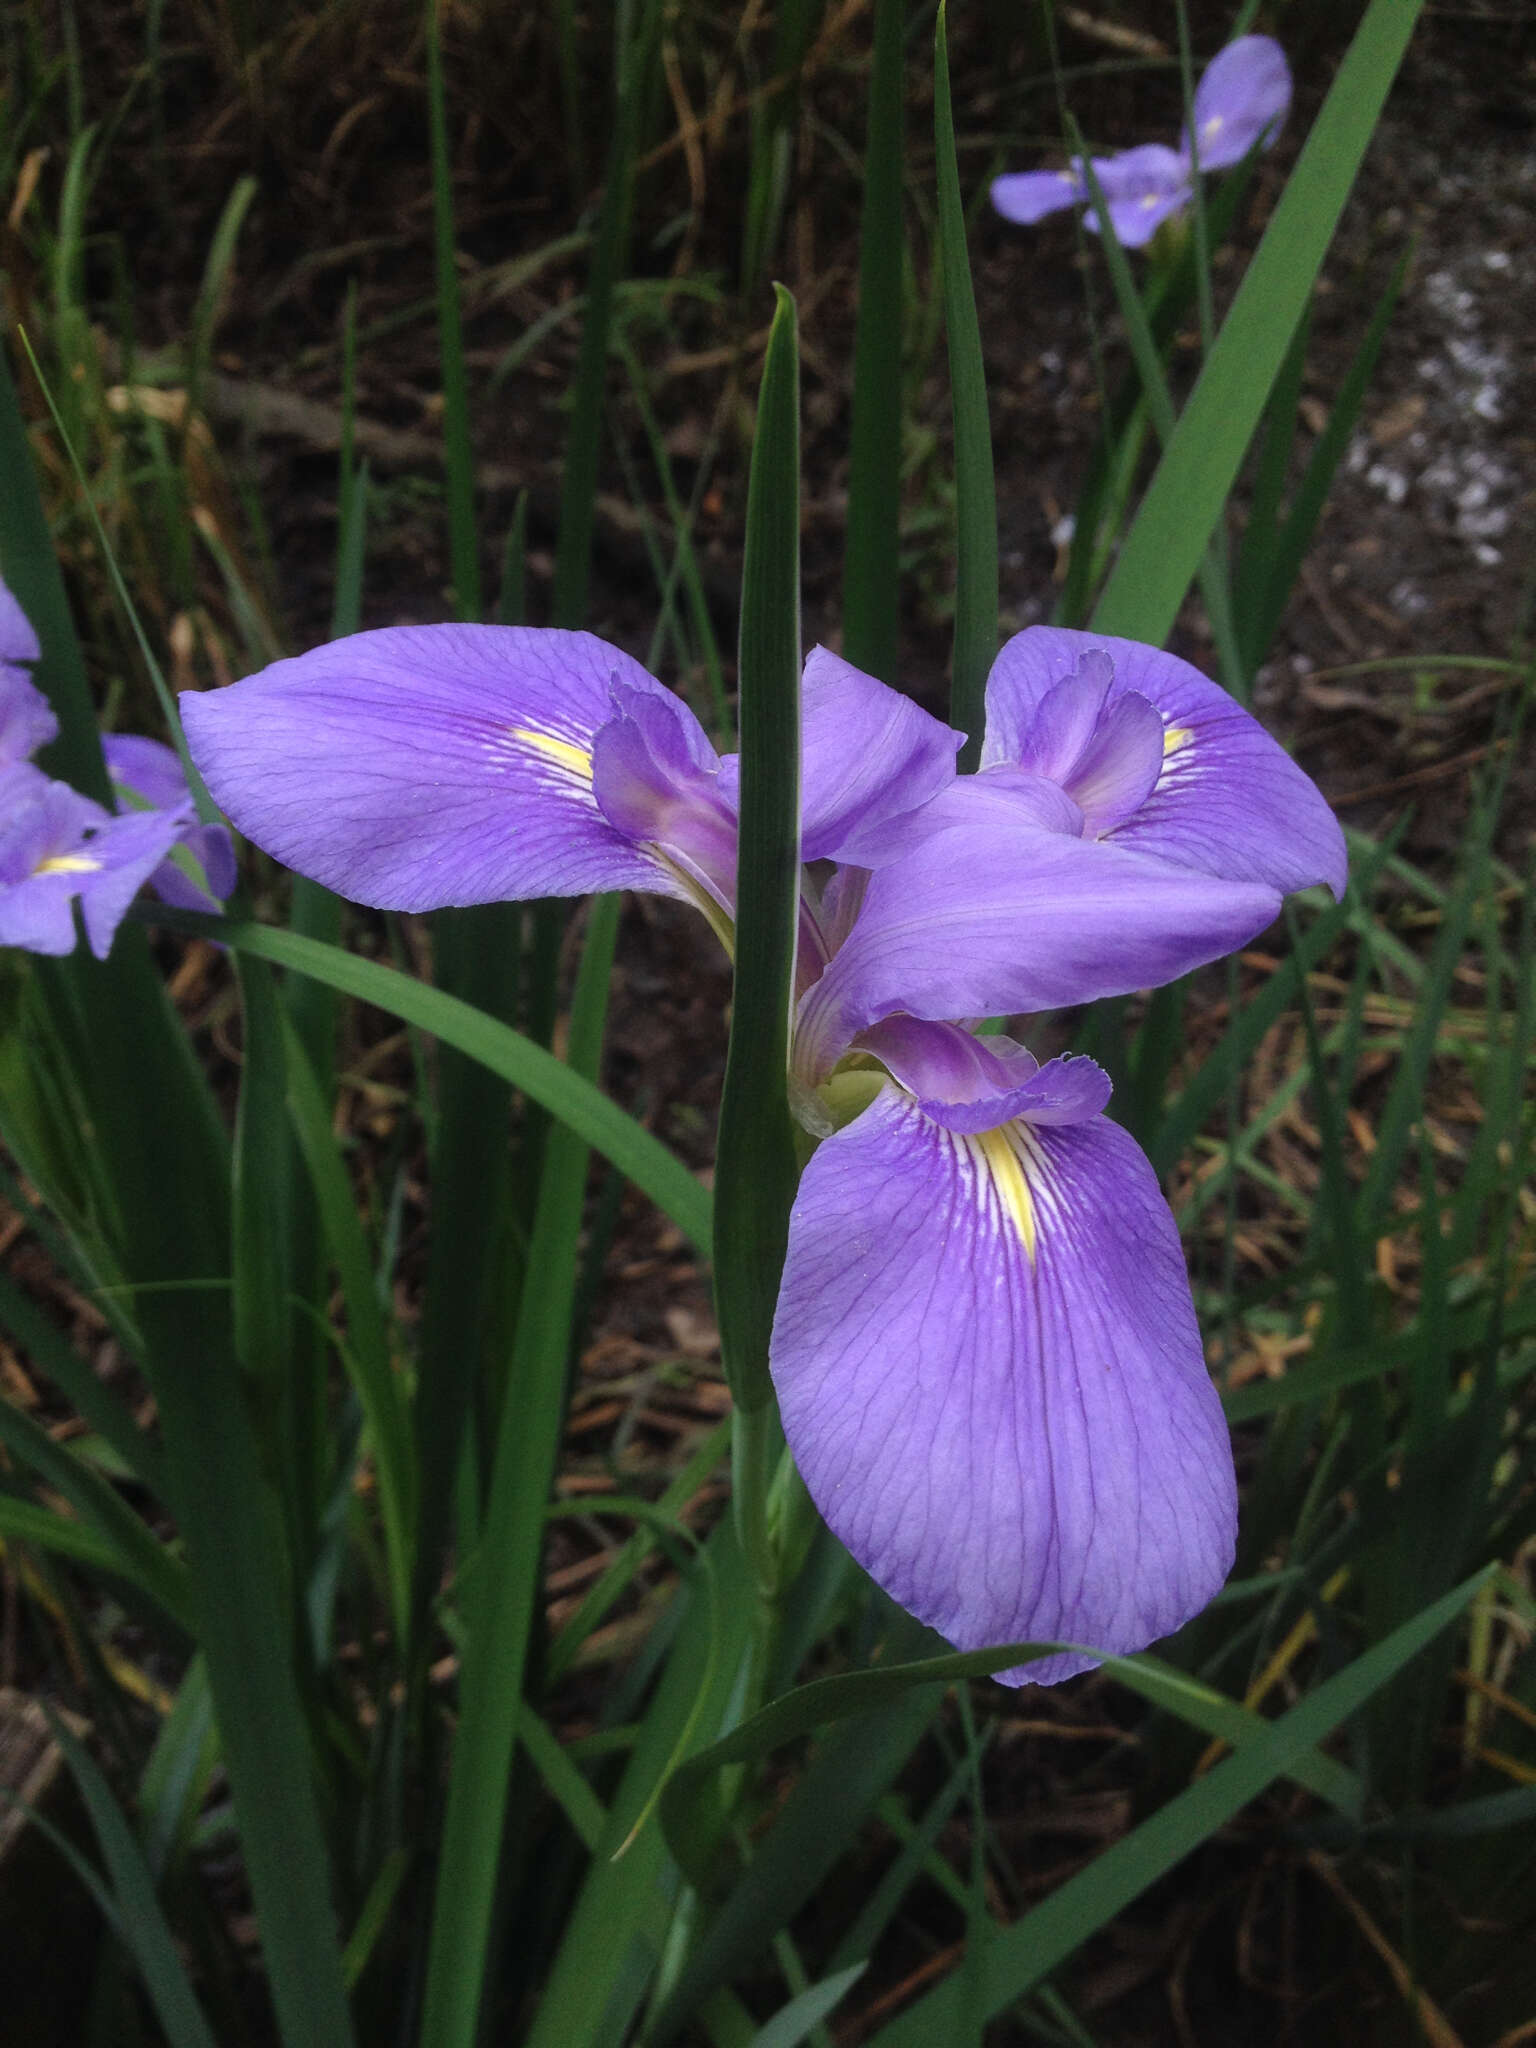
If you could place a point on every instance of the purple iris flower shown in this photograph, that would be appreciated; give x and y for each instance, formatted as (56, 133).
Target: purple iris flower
(58, 848)
(1242, 99)
(985, 1349)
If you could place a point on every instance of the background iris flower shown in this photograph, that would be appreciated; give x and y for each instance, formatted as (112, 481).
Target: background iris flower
(985, 1349)
(59, 848)
(1242, 99)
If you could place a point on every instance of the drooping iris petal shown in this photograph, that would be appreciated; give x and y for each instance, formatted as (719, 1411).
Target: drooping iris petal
(991, 1379)
(1141, 188)
(990, 916)
(1245, 94)
(1229, 800)
(422, 766)
(1028, 196)
(868, 758)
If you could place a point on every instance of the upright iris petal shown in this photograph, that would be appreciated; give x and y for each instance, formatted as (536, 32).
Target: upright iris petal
(870, 759)
(987, 1359)
(1243, 98)
(1225, 799)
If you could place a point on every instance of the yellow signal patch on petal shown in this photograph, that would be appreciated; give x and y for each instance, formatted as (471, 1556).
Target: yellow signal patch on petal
(1175, 739)
(68, 864)
(1001, 1155)
(565, 754)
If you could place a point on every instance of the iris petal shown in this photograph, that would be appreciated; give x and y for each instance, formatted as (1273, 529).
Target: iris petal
(422, 766)
(992, 916)
(869, 758)
(1028, 196)
(1141, 188)
(1229, 800)
(18, 642)
(1011, 1427)
(1245, 93)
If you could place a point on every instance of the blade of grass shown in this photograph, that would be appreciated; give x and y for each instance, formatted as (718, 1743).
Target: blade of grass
(1203, 1093)
(141, 1557)
(795, 2022)
(756, 1173)
(463, 540)
(975, 493)
(1277, 548)
(506, 1587)
(140, 1920)
(1023, 1955)
(573, 1100)
(816, 1825)
(756, 1176)
(366, 1352)
(578, 486)
(872, 551)
(23, 1521)
(617, 1931)
(52, 1353)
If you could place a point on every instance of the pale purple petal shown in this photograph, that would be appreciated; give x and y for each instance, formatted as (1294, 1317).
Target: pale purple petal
(20, 784)
(423, 766)
(1013, 796)
(1018, 1440)
(1229, 800)
(1245, 94)
(949, 1064)
(131, 850)
(150, 772)
(970, 1083)
(869, 757)
(1028, 196)
(1141, 188)
(26, 717)
(61, 848)
(1064, 720)
(657, 780)
(992, 917)
(146, 767)
(1103, 746)
(210, 847)
(1120, 766)
(18, 642)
